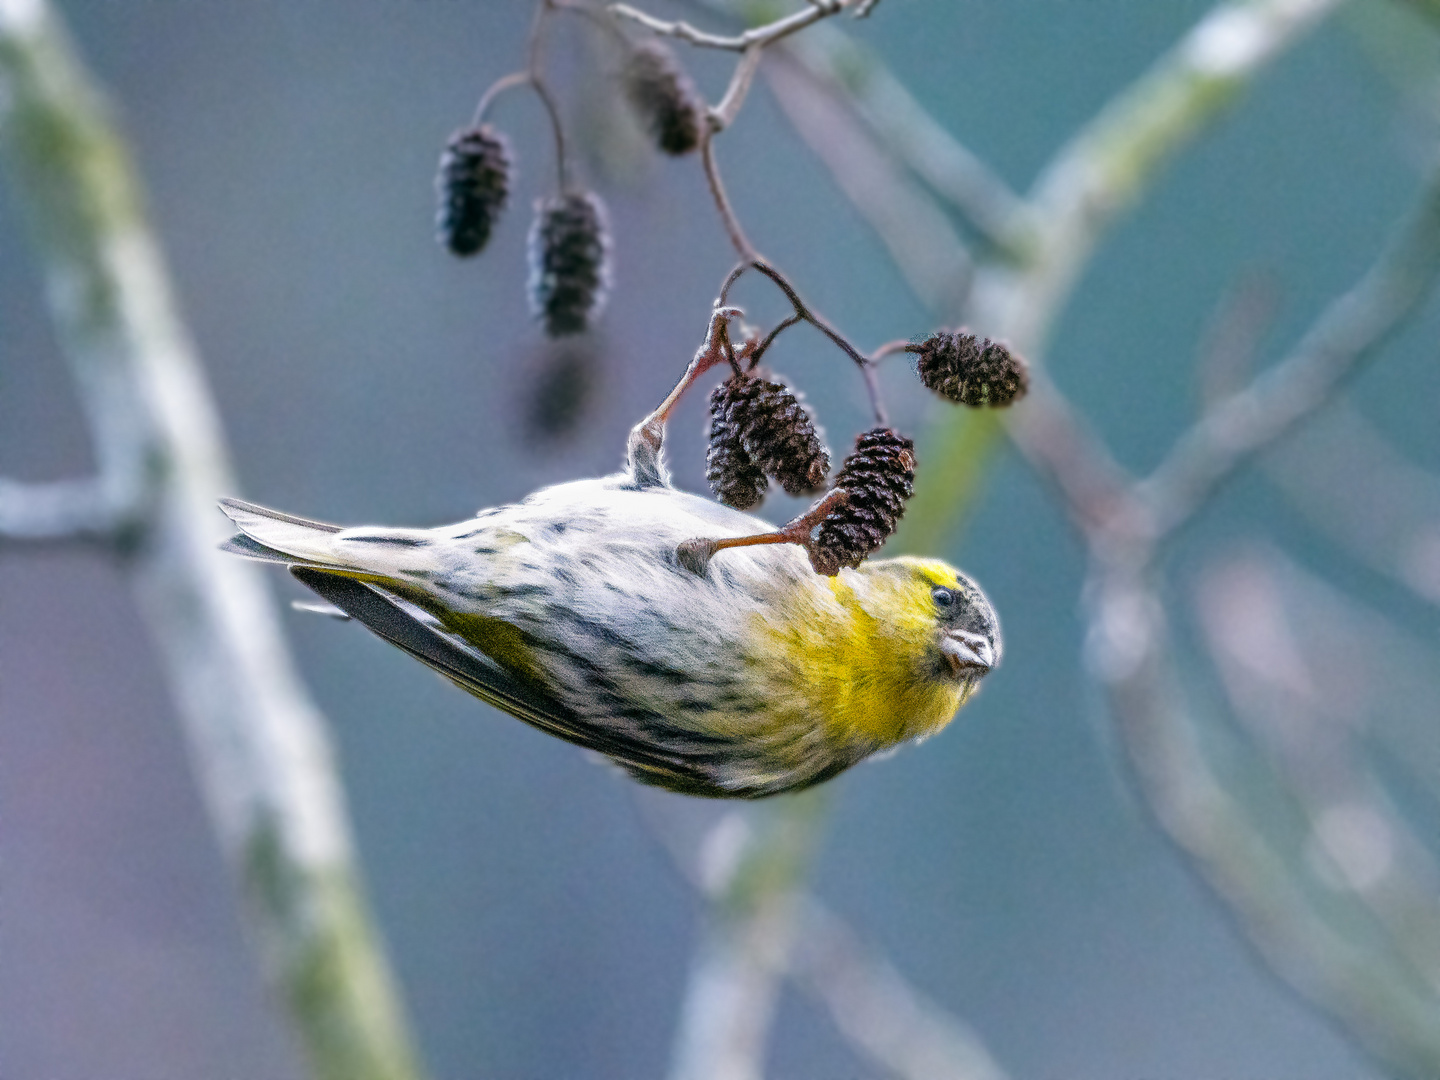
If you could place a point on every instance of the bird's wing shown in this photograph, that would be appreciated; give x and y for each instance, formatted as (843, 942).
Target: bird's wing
(395, 620)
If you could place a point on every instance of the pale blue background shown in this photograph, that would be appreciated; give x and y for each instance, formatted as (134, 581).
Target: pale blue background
(364, 376)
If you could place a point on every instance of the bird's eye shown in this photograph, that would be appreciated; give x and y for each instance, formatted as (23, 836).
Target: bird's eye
(943, 597)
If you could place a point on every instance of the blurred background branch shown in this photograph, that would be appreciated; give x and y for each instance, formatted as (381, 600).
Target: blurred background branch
(1281, 792)
(1319, 933)
(261, 754)
(873, 137)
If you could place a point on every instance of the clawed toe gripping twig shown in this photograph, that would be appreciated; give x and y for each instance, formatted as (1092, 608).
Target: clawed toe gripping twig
(695, 555)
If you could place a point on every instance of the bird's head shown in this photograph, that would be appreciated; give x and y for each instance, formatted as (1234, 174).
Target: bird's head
(945, 616)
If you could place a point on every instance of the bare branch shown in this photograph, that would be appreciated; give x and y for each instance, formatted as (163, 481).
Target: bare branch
(262, 754)
(750, 867)
(59, 511)
(1354, 485)
(876, 1010)
(1102, 170)
(733, 229)
(1274, 632)
(1238, 847)
(1093, 488)
(723, 114)
(759, 35)
(1349, 331)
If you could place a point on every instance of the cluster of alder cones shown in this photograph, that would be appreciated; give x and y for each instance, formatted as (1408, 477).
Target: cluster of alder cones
(760, 430)
(569, 244)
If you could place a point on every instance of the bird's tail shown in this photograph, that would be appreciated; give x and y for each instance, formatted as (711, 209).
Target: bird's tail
(271, 536)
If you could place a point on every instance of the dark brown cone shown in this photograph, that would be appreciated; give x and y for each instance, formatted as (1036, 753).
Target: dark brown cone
(732, 473)
(569, 261)
(878, 477)
(781, 437)
(971, 371)
(472, 184)
(664, 98)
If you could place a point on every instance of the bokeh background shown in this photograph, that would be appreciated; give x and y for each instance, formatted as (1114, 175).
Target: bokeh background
(537, 926)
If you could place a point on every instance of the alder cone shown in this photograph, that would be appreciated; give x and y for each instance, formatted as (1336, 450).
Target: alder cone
(878, 478)
(781, 436)
(730, 470)
(664, 98)
(759, 429)
(569, 252)
(970, 370)
(472, 185)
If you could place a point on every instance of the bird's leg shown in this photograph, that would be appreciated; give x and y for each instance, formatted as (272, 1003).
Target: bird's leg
(647, 438)
(695, 555)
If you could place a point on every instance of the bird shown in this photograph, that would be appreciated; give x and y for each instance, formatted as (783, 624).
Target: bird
(571, 611)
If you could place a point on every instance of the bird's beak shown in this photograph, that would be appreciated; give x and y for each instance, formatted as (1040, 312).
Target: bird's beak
(969, 654)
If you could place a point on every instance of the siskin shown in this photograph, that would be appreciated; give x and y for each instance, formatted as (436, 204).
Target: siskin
(571, 611)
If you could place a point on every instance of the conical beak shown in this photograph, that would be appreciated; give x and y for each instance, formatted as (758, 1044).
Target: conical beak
(969, 654)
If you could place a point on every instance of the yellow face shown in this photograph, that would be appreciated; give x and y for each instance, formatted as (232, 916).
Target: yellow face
(893, 653)
(935, 602)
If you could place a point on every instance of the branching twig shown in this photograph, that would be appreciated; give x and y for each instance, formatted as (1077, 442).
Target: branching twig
(756, 36)
(805, 312)
(261, 751)
(534, 77)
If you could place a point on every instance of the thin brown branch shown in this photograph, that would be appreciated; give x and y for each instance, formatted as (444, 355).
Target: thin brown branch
(755, 354)
(738, 240)
(534, 53)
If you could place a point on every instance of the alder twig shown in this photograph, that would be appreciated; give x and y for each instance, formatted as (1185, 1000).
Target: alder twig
(805, 312)
(756, 36)
(262, 756)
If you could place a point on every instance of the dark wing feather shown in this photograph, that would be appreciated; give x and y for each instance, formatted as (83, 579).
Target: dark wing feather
(487, 680)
